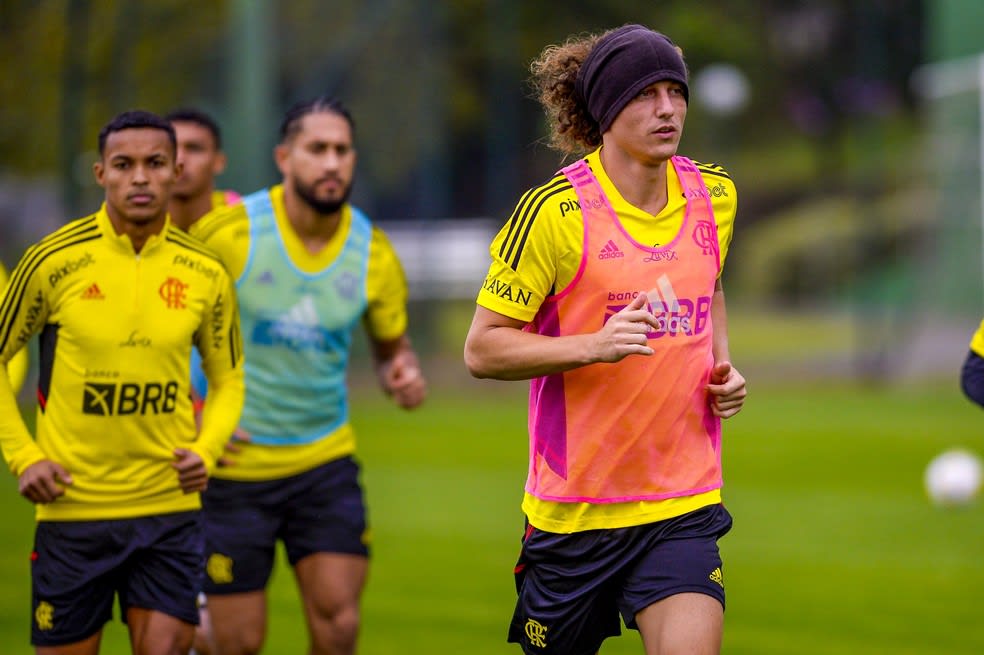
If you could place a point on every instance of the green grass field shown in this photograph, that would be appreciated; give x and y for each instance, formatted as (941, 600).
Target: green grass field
(835, 548)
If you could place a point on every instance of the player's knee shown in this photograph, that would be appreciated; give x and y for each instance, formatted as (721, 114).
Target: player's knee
(160, 644)
(338, 630)
(248, 640)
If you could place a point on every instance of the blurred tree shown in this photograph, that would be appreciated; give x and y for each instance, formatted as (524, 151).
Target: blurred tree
(446, 125)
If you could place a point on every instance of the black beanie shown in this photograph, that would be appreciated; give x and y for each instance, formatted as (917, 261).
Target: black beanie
(623, 63)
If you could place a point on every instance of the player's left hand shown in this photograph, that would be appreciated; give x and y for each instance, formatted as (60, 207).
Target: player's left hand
(192, 473)
(727, 389)
(402, 378)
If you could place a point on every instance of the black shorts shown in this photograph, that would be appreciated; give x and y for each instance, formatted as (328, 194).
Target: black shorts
(572, 587)
(318, 511)
(151, 562)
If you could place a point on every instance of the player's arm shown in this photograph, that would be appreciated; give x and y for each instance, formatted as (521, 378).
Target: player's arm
(23, 312)
(18, 365)
(972, 377)
(972, 372)
(727, 385)
(396, 363)
(17, 370)
(498, 347)
(220, 344)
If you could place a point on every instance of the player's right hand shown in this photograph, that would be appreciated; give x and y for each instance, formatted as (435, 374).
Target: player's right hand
(625, 332)
(232, 447)
(43, 482)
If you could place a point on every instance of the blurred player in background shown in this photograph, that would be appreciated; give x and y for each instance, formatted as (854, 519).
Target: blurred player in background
(972, 372)
(605, 292)
(116, 466)
(16, 367)
(309, 267)
(202, 160)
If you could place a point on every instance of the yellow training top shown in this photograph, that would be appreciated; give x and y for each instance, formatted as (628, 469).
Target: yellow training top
(116, 331)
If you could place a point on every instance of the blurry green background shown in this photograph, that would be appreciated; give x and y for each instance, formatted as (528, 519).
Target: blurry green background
(853, 133)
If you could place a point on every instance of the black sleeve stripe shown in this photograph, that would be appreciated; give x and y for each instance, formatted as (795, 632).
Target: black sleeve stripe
(186, 242)
(520, 229)
(234, 340)
(85, 226)
(34, 257)
(520, 214)
(713, 169)
(76, 232)
(513, 220)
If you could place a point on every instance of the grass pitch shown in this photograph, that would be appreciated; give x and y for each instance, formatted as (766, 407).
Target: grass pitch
(835, 548)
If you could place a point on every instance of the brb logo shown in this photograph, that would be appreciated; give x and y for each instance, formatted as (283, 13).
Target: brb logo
(129, 398)
(686, 316)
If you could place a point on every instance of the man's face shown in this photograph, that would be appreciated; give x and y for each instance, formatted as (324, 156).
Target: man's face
(650, 126)
(318, 162)
(137, 170)
(200, 158)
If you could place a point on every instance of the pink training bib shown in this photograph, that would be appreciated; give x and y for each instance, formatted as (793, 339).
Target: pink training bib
(642, 428)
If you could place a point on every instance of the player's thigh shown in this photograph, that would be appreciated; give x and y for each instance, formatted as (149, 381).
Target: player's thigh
(88, 646)
(565, 586)
(682, 624)
(331, 582)
(238, 621)
(679, 555)
(242, 520)
(74, 572)
(326, 512)
(165, 570)
(156, 633)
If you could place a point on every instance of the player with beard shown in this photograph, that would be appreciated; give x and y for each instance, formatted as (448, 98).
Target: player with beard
(309, 267)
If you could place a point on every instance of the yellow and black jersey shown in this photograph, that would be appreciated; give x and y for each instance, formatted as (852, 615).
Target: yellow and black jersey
(115, 331)
(538, 250)
(16, 367)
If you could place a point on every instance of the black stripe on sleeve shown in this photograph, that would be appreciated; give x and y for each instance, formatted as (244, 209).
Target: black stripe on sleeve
(522, 219)
(713, 169)
(35, 256)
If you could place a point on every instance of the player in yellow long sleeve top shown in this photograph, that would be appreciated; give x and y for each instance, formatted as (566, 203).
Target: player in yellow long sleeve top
(16, 367)
(116, 466)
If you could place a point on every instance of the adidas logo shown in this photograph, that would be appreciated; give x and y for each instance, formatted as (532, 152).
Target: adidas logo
(303, 313)
(664, 290)
(610, 251)
(266, 277)
(93, 293)
(717, 576)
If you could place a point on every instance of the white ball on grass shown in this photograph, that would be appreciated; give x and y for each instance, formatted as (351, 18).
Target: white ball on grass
(954, 477)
